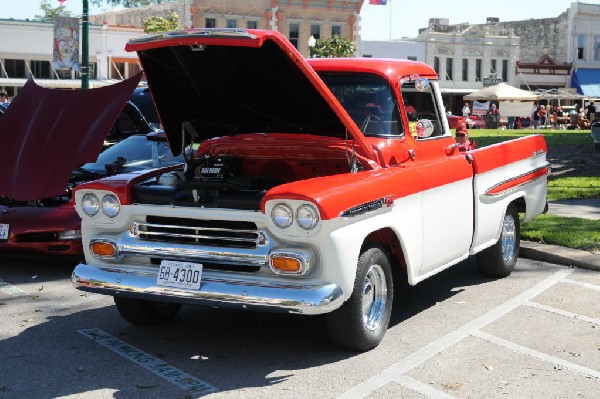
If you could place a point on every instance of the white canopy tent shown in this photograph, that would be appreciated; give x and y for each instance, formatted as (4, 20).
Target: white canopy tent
(511, 100)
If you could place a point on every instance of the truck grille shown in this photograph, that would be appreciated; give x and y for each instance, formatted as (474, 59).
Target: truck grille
(216, 233)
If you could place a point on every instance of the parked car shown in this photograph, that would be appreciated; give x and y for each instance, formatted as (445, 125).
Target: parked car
(475, 122)
(51, 226)
(455, 121)
(142, 98)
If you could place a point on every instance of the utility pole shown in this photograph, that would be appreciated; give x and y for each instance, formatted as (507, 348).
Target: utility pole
(85, 46)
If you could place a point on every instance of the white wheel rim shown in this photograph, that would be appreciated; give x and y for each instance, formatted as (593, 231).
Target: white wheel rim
(509, 238)
(374, 298)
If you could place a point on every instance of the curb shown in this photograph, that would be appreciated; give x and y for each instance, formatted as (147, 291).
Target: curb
(559, 255)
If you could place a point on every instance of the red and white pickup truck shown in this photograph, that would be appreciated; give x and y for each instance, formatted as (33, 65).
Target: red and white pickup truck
(311, 190)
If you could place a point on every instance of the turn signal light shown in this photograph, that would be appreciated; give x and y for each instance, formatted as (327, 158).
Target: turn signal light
(103, 249)
(286, 265)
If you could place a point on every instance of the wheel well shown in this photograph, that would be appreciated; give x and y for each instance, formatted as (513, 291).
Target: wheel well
(520, 204)
(389, 241)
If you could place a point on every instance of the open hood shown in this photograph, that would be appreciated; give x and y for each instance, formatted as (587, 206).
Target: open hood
(222, 82)
(47, 133)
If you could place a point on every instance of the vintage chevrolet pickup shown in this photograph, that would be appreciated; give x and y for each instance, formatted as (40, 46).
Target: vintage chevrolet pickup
(310, 187)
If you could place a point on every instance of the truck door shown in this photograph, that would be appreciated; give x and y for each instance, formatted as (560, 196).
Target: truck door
(447, 199)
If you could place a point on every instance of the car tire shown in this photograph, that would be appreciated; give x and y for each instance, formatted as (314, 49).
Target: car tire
(500, 259)
(146, 313)
(362, 321)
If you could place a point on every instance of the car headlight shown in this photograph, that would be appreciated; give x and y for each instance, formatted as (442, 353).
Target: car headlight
(282, 216)
(90, 204)
(110, 205)
(307, 217)
(69, 235)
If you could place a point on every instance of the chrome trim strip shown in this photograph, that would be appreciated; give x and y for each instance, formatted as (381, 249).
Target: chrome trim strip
(273, 297)
(487, 192)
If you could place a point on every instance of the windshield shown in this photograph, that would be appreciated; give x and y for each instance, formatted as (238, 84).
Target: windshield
(132, 154)
(368, 100)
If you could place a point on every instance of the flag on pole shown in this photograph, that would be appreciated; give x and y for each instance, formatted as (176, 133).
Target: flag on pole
(61, 2)
(373, 2)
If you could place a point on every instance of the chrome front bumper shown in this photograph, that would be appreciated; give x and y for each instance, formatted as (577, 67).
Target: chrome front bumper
(220, 292)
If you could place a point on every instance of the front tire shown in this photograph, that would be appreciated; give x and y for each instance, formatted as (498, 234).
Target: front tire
(146, 313)
(500, 259)
(362, 321)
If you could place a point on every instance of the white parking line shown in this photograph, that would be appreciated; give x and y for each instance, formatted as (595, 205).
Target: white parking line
(563, 313)
(175, 376)
(537, 355)
(396, 370)
(10, 289)
(585, 285)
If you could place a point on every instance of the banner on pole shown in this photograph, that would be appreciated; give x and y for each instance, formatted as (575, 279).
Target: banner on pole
(378, 2)
(65, 47)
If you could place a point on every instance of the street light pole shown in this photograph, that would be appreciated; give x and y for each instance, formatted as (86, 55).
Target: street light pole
(85, 46)
(311, 45)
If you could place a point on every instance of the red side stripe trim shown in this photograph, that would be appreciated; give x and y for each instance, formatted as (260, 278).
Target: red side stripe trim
(517, 181)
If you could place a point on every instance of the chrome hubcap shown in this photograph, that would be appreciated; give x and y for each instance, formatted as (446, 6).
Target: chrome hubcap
(374, 298)
(509, 238)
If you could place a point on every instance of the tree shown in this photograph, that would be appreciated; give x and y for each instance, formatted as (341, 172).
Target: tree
(334, 47)
(51, 12)
(162, 24)
(128, 3)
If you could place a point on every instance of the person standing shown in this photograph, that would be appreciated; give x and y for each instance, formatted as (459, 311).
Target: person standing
(466, 111)
(4, 99)
(590, 112)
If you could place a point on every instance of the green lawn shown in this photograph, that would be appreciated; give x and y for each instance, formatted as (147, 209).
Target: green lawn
(568, 232)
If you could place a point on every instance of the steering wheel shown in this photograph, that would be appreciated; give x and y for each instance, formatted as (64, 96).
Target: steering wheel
(367, 121)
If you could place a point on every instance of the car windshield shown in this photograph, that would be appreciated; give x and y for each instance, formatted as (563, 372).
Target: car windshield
(368, 99)
(132, 154)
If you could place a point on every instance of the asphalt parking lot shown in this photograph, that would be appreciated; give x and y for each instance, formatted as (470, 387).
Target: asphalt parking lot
(457, 335)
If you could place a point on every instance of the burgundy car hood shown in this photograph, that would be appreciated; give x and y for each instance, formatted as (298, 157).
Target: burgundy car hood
(224, 82)
(47, 133)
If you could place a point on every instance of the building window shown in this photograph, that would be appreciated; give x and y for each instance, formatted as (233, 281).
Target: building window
(580, 47)
(252, 25)
(117, 70)
(478, 70)
(436, 65)
(449, 72)
(15, 68)
(294, 33)
(231, 23)
(465, 69)
(597, 48)
(505, 70)
(210, 23)
(315, 31)
(41, 69)
(493, 67)
(336, 30)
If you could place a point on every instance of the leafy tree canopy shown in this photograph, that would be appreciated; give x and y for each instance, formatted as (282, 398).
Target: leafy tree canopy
(50, 12)
(162, 24)
(334, 47)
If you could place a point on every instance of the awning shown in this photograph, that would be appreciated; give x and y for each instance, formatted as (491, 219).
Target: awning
(56, 83)
(587, 82)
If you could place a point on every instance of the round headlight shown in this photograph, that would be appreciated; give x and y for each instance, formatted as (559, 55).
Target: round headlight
(282, 216)
(307, 217)
(90, 204)
(110, 205)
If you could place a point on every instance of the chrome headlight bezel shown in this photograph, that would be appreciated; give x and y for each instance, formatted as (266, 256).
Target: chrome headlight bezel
(282, 215)
(90, 204)
(307, 217)
(110, 206)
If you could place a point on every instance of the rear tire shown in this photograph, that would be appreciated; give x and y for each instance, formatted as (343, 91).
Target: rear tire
(146, 313)
(500, 259)
(362, 321)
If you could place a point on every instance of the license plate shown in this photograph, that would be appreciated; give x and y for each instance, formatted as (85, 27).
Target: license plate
(179, 274)
(4, 231)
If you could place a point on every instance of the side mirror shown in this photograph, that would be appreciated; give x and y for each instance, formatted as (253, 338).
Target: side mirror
(424, 128)
(422, 84)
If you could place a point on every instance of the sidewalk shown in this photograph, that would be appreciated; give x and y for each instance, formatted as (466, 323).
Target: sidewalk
(585, 208)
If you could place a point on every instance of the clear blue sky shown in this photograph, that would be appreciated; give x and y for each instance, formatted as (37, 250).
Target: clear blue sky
(406, 17)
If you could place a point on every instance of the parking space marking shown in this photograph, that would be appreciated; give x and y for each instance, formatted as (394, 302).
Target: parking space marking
(561, 312)
(10, 289)
(422, 388)
(537, 355)
(585, 285)
(157, 366)
(396, 370)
